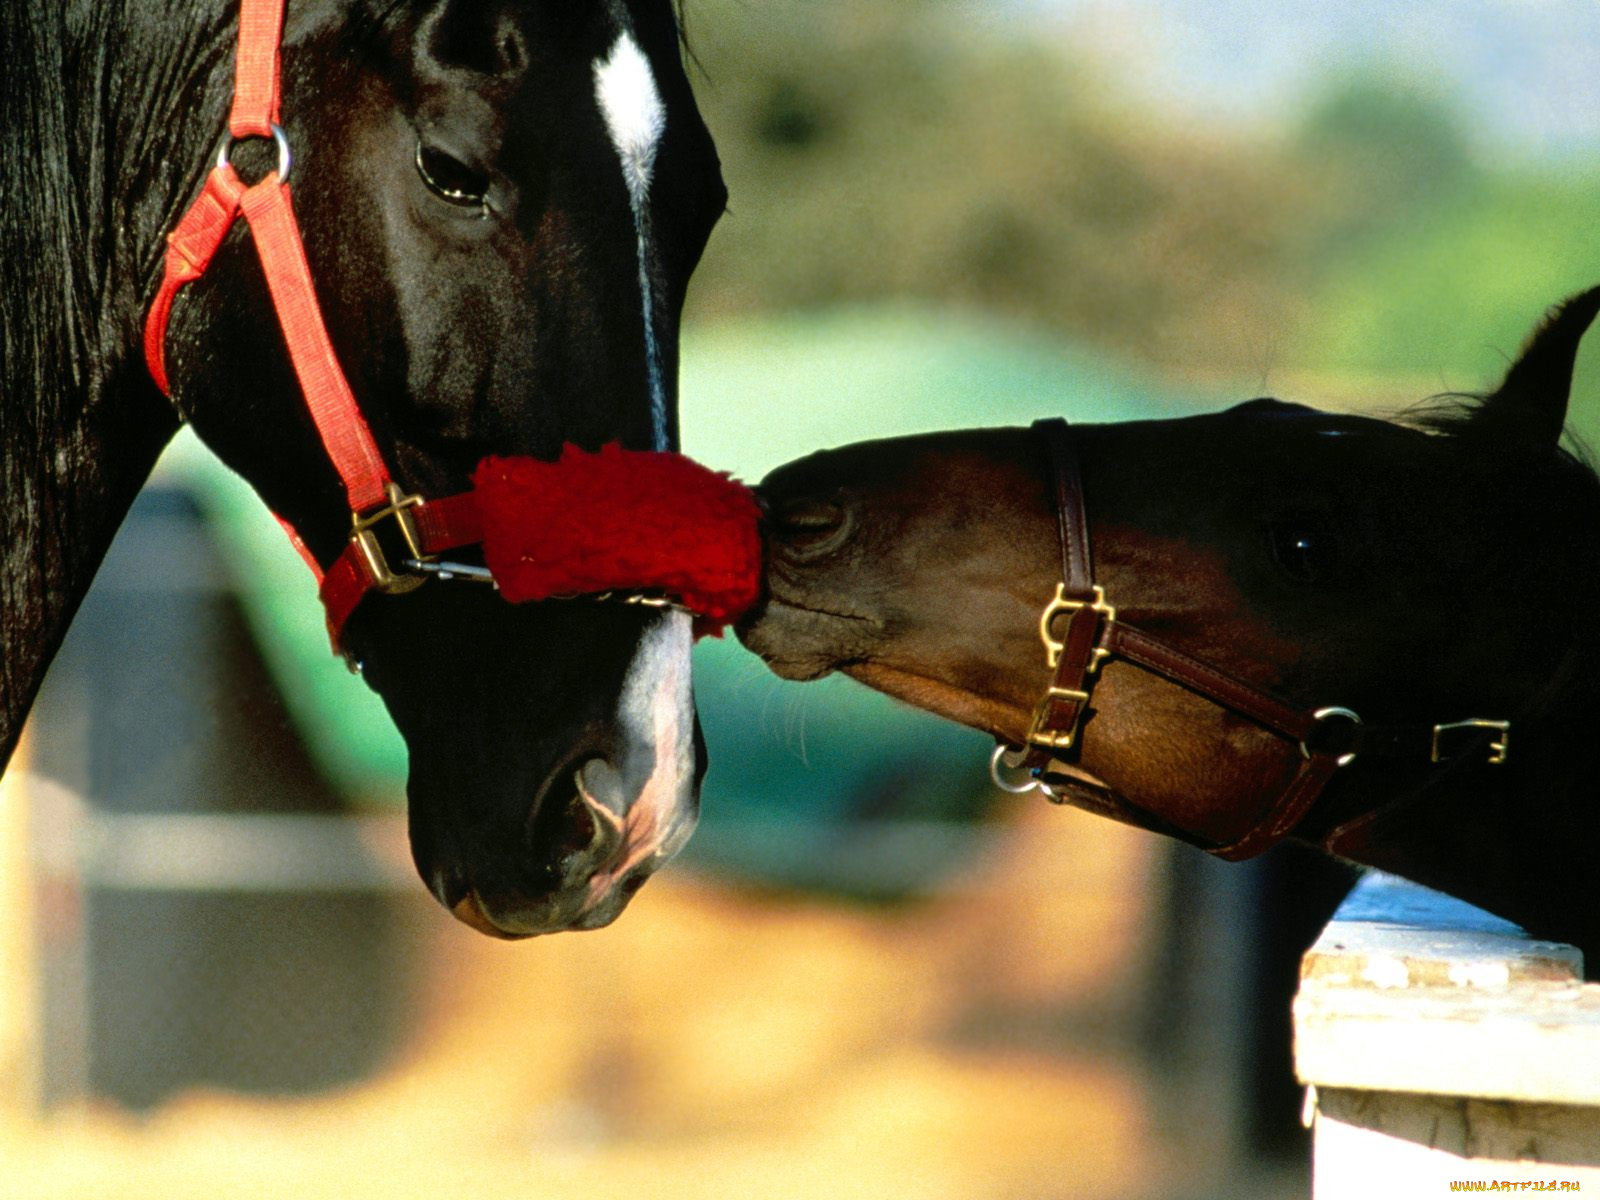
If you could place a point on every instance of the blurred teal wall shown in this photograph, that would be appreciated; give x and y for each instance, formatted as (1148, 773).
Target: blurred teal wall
(797, 770)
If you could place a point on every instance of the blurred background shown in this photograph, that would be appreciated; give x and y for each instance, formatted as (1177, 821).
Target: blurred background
(870, 975)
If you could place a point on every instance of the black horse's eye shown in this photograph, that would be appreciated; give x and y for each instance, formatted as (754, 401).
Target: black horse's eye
(452, 180)
(1302, 552)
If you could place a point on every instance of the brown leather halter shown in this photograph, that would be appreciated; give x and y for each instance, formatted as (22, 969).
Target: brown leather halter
(1325, 738)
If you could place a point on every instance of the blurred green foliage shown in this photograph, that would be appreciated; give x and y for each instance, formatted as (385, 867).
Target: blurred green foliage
(874, 156)
(1448, 296)
(903, 149)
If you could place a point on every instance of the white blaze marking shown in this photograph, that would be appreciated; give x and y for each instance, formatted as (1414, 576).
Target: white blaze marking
(656, 714)
(626, 91)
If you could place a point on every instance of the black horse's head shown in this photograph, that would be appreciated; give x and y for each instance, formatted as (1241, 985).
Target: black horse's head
(501, 203)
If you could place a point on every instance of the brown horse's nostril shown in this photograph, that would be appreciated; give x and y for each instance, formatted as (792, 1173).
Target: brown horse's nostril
(804, 530)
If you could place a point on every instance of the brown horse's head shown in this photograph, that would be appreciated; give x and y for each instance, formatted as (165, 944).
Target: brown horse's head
(1411, 573)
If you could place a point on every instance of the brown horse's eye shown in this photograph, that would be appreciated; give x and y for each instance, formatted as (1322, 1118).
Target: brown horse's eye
(1301, 551)
(452, 180)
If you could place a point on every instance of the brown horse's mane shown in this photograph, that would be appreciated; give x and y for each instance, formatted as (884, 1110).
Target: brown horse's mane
(1560, 483)
(1455, 414)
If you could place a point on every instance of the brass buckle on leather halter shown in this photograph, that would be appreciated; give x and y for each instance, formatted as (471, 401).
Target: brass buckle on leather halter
(364, 534)
(1040, 733)
(1497, 748)
(1059, 604)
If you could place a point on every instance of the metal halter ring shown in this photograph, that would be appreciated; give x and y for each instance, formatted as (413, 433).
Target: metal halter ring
(1333, 712)
(1033, 783)
(285, 159)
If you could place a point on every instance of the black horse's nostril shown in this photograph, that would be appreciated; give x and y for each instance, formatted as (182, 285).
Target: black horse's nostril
(449, 886)
(560, 826)
(808, 529)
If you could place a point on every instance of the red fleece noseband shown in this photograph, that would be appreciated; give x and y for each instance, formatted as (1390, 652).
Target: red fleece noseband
(621, 520)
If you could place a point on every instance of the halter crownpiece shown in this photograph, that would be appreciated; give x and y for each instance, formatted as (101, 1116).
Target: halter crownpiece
(1326, 738)
(641, 526)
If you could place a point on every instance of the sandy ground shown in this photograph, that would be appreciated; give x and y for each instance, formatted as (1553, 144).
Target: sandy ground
(716, 1042)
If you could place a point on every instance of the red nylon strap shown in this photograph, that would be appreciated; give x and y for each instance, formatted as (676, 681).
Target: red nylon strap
(442, 525)
(338, 419)
(300, 548)
(268, 208)
(346, 582)
(450, 522)
(193, 243)
(190, 248)
(256, 69)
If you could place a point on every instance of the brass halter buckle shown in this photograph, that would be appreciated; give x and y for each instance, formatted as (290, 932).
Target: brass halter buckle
(364, 535)
(1497, 748)
(1040, 733)
(1060, 603)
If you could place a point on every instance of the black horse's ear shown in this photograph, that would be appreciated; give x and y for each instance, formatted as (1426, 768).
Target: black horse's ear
(1530, 405)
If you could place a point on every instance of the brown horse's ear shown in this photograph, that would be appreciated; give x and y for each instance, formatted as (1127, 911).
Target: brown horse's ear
(1530, 406)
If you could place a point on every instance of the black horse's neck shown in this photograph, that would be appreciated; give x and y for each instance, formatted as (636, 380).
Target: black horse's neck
(113, 107)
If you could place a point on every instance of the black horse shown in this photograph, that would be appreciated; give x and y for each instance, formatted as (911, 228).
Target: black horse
(502, 202)
(1379, 637)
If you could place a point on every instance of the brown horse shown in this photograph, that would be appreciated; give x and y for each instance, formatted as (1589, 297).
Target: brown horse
(1377, 637)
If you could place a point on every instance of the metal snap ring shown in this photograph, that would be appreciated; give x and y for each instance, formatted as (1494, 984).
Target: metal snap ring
(1019, 787)
(285, 158)
(1333, 712)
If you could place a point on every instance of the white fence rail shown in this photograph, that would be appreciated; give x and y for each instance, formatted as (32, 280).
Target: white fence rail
(1442, 1048)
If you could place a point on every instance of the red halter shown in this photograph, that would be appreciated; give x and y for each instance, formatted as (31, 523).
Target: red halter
(373, 496)
(426, 528)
